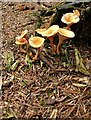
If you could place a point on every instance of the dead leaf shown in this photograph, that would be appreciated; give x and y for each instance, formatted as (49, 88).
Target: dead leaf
(15, 65)
(79, 63)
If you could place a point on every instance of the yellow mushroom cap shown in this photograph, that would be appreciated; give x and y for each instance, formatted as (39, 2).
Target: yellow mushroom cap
(51, 31)
(20, 41)
(36, 42)
(40, 31)
(24, 33)
(69, 18)
(76, 13)
(66, 33)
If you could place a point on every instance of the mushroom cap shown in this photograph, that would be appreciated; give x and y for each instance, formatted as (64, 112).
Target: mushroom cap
(36, 42)
(20, 41)
(40, 31)
(69, 18)
(76, 13)
(66, 33)
(51, 31)
(23, 33)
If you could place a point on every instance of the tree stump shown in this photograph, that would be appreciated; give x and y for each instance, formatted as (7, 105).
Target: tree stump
(82, 29)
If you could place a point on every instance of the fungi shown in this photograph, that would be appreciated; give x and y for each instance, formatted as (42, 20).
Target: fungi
(49, 33)
(36, 42)
(71, 18)
(76, 13)
(63, 34)
(21, 40)
(40, 31)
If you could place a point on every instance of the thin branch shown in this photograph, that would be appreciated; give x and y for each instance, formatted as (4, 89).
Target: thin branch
(43, 58)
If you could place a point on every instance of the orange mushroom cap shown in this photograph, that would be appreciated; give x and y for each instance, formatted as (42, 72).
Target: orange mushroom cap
(76, 13)
(40, 31)
(24, 33)
(63, 34)
(36, 42)
(69, 18)
(66, 33)
(21, 39)
(51, 31)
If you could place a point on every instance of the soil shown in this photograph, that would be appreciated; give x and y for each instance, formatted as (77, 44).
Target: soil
(37, 91)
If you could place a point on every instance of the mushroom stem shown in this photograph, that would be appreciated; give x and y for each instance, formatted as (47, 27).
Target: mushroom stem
(36, 55)
(31, 55)
(61, 39)
(52, 45)
(68, 26)
(27, 46)
(21, 49)
(58, 46)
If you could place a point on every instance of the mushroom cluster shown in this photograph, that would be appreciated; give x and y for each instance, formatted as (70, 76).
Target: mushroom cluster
(49, 33)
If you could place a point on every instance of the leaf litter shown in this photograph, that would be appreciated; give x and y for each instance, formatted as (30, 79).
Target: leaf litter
(40, 90)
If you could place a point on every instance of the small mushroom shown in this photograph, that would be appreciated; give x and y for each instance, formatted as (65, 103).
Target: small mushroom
(36, 42)
(40, 31)
(21, 40)
(76, 13)
(63, 34)
(71, 18)
(49, 33)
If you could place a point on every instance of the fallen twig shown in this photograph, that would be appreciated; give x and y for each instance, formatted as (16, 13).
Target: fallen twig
(31, 22)
(58, 70)
(52, 58)
(43, 59)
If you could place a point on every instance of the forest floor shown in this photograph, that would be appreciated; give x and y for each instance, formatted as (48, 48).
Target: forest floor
(38, 90)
